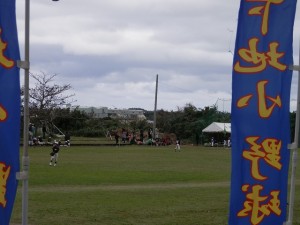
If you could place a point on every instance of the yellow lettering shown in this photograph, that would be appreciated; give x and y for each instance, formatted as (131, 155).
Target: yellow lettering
(4, 61)
(254, 207)
(4, 174)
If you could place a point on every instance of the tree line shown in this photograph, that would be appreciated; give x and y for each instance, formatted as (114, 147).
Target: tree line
(48, 108)
(186, 123)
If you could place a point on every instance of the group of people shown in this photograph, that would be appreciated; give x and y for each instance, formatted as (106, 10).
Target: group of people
(128, 137)
(142, 138)
(34, 140)
(226, 143)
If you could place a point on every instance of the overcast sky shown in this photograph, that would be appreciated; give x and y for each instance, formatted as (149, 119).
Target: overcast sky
(111, 51)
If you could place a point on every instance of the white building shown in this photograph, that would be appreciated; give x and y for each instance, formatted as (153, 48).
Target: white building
(102, 112)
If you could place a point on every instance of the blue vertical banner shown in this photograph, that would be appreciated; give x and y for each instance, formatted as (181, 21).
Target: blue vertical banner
(9, 109)
(261, 82)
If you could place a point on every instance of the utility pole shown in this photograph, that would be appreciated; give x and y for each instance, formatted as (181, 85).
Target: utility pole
(155, 108)
(223, 100)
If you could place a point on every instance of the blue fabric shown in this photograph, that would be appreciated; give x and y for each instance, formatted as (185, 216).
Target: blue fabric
(9, 109)
(260, 127)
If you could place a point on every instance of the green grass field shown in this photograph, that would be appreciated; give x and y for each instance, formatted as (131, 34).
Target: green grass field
(130, 185)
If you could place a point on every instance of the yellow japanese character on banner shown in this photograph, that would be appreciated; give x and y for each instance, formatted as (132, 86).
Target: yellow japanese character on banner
(264, 108)
(4, 174)
(3, 114)
(268, 150)
(260, 60)
(264, 11)
(4, 61)
(254, 206)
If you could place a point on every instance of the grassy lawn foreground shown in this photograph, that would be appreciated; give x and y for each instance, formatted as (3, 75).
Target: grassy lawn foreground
(128, 185)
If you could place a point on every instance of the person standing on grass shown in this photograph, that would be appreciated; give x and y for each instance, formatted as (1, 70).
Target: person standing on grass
(124, 135)
(177, 147)
(117, 137)
(54, 153)
(67, 139)
(212, 141)
(44, 129)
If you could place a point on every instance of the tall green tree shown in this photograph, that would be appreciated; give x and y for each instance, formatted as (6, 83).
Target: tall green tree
(188, 122)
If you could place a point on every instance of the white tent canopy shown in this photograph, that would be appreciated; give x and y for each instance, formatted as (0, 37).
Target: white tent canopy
(217, 128)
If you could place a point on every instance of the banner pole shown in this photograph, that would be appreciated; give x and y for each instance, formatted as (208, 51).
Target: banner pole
(24, 175)
(294, 147)
(25, 159)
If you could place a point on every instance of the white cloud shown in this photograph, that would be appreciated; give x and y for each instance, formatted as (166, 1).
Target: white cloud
(111, 51)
